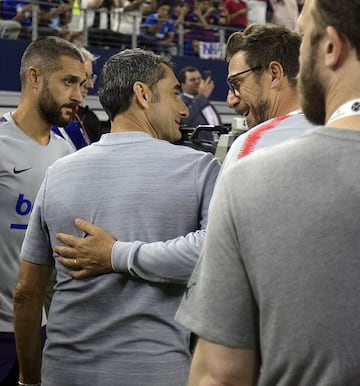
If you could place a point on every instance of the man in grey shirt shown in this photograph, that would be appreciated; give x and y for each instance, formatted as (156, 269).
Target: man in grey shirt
(275, 295)
(51, 72)
(146, 189)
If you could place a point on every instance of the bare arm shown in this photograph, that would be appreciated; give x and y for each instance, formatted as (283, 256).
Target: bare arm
(217, 365)
(28, 300)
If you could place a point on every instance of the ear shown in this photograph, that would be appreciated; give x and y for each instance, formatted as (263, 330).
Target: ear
(276, 73)
(33, 77)
(334, 47)
(142, 94)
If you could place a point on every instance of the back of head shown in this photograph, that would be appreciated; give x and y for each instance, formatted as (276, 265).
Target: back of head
(45, 53)
(264, 43)
(344, 15)
(120, 73)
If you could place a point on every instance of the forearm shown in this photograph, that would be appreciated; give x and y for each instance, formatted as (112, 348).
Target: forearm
(236, 14)
(27, 322)
(166, 262)
(28, 300)
(217, 365)
(94, 4)
(168, 40)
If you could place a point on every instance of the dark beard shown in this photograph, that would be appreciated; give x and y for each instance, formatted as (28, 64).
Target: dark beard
(51, 110)
(312, 91)
(260, 112)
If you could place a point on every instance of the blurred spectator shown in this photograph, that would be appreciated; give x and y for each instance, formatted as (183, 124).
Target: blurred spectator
(19, 11)
(56, 15)
(48, 16)
(198, 21)
(9, 29)
(159, 31)
(286, 12)
(128, 20)
(195, 93)
(100, 22)
(237, 11)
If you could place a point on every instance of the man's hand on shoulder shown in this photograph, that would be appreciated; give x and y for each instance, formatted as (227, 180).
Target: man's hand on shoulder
(86, 256)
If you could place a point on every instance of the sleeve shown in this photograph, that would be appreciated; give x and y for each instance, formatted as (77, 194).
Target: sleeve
(218, 303)
(36, 247)
(171, 261)
(196, 106)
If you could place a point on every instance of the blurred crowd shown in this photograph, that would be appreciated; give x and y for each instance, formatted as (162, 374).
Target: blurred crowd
(172, 26)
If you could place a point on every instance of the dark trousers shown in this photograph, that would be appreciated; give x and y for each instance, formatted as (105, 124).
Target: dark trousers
(9, 369)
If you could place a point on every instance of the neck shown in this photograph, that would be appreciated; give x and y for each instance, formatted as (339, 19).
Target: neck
(32, 124)
(126, 123)
(288, 103)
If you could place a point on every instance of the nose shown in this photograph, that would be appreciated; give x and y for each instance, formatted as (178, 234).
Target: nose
(232, 100)
(77, 94)
(184, 111)
(89, 84)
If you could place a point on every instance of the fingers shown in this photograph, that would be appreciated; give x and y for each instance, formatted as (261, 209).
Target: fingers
(78, 269)
(72, 241)
(85, 226)
(68, 252)
(69, 262)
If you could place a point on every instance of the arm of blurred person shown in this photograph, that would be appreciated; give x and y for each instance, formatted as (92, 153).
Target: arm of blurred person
(28, 301)
(47, 16)
(134, 5)
(94, 4)
(218, 365)
(238, 13)
(169, 38)
(169, 261)
(22, 13)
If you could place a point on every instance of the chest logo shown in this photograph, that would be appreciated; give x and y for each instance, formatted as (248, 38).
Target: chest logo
(18, 171)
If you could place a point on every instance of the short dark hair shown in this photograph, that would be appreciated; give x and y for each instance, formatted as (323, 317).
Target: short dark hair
(183, 71)
(264, 43)
(44, 53)
(343, 15)
(120, 73)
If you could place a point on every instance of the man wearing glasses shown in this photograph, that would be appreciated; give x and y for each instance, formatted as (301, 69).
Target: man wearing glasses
(86, 126)
(263, 65)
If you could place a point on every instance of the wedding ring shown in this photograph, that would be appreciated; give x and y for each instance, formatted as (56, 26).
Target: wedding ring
(75, 262)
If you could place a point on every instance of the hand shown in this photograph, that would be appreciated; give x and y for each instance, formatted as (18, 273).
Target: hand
(86, 256)
(206, 87)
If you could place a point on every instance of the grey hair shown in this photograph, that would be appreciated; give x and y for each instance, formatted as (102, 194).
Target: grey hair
(120, 73)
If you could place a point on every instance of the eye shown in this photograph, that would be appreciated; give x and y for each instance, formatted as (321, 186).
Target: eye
(68, 82)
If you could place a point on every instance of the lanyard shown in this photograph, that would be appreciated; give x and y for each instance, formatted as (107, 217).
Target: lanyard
(346, 110)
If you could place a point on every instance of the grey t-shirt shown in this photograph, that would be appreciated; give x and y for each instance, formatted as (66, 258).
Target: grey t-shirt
(280, 268)
(117, 329)
(23, 163)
